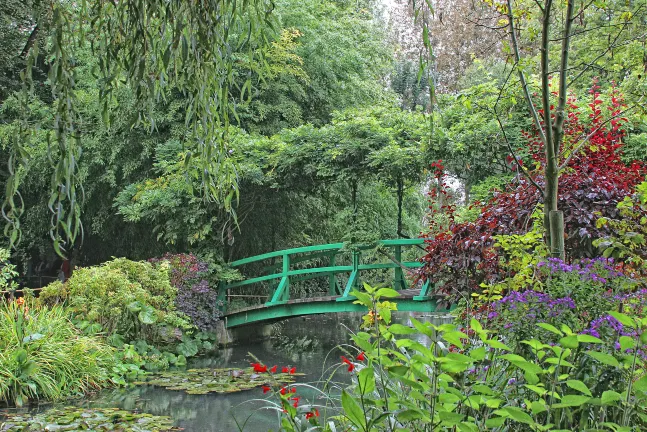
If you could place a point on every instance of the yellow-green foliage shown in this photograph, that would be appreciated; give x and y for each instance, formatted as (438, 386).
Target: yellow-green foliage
(132, 298)
(520, 255)
(43, 356)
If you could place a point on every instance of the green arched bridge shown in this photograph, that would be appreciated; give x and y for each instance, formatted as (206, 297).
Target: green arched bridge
(341, 271)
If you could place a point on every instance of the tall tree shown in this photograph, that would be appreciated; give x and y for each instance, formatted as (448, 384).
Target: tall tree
(551, 27)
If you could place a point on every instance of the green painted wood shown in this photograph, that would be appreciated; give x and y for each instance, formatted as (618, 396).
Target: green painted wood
(281, 311)
(331, 246)
(280, 289)
(424, 292)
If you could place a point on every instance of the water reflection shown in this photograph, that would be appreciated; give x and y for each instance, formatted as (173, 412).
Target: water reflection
(215, 412)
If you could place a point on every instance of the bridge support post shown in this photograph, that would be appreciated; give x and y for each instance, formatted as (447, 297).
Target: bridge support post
(282, 291)
(424, 292)
(353, 279)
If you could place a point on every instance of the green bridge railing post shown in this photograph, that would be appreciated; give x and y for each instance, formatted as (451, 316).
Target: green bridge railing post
(399, 283)
(353, 279)
(282, 292)
(333, 287)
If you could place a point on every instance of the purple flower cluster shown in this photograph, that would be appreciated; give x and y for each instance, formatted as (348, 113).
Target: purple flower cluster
(596, 270)
(604, 321)
(195, 296)
(541, 303)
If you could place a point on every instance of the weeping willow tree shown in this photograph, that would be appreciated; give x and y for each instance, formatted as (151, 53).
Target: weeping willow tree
(153, 47)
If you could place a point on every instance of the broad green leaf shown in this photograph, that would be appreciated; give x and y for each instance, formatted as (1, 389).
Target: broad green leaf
(569, 342)
(353, 411)
(366, 380)
(516, 414)
(609, 397)
(386, 292)
(572, 401)
(604, 358)
(579, 386)
(625, 320)
(550, 328)
(400, 329)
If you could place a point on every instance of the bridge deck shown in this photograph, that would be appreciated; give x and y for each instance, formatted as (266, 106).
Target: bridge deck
(407, 301)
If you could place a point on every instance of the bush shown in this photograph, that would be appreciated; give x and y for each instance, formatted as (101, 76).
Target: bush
(196, 283)
(43, 356)
(131, 299)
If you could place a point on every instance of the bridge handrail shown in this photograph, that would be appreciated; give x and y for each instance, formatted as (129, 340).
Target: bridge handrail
(281, 292)
(321, 248)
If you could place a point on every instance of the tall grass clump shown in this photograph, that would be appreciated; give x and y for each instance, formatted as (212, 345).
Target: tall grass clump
(43, 356)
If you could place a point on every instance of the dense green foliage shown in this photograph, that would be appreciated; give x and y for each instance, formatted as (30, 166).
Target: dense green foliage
(44, 356)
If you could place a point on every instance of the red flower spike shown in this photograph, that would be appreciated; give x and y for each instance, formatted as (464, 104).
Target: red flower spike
(284, 391)
(285, 369)
(293, 390)
(350, 364)
(258, 368)
(266, 389)
(313, 413)
(361, 356)
(296, 404)
(273, 370)
(293, 370)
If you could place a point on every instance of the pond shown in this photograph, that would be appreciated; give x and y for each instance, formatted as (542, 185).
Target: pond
(309, 343)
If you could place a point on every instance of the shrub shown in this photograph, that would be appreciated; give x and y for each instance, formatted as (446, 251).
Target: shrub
(132, 299)
(196, 283)
(461, 256)
(43, 356)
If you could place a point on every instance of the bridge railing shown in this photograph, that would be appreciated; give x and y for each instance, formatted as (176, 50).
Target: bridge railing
(282, 273)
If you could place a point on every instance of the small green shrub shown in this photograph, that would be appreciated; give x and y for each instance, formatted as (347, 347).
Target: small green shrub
(44, 356)
(132, 299)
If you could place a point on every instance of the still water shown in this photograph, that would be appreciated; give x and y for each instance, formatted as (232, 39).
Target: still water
(247, 410)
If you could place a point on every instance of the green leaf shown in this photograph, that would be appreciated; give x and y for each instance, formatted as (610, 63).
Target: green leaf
(366, 380)
(516, 414)
(400, 329)
(626, 343)
(609, 397)
(624, 319)
(572, 401)
(579, 386)
(353, 411)
(497, 345)
(386, 292)
(569, 342)
(550, 328)
(450, 418)
(584, 338)
(641, 384)
(147, 315)
(604, 358)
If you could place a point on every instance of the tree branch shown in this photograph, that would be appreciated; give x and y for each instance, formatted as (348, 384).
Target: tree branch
(524, 84)
(30, 42)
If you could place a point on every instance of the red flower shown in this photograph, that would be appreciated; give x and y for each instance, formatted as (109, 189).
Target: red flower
(295, 404)
(266, 389)
(273, 370)
(258, 368)
(296, 398)
(313, 413)
(293, 390)
(284, 391)
(293, 370)
(285, 369)
(350, 364)
(361, 356)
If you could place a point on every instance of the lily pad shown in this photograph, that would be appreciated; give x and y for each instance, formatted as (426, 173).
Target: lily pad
(82, 419)
(228, 380)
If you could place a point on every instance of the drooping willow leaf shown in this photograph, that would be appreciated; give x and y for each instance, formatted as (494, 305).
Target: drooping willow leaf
(153, 47)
